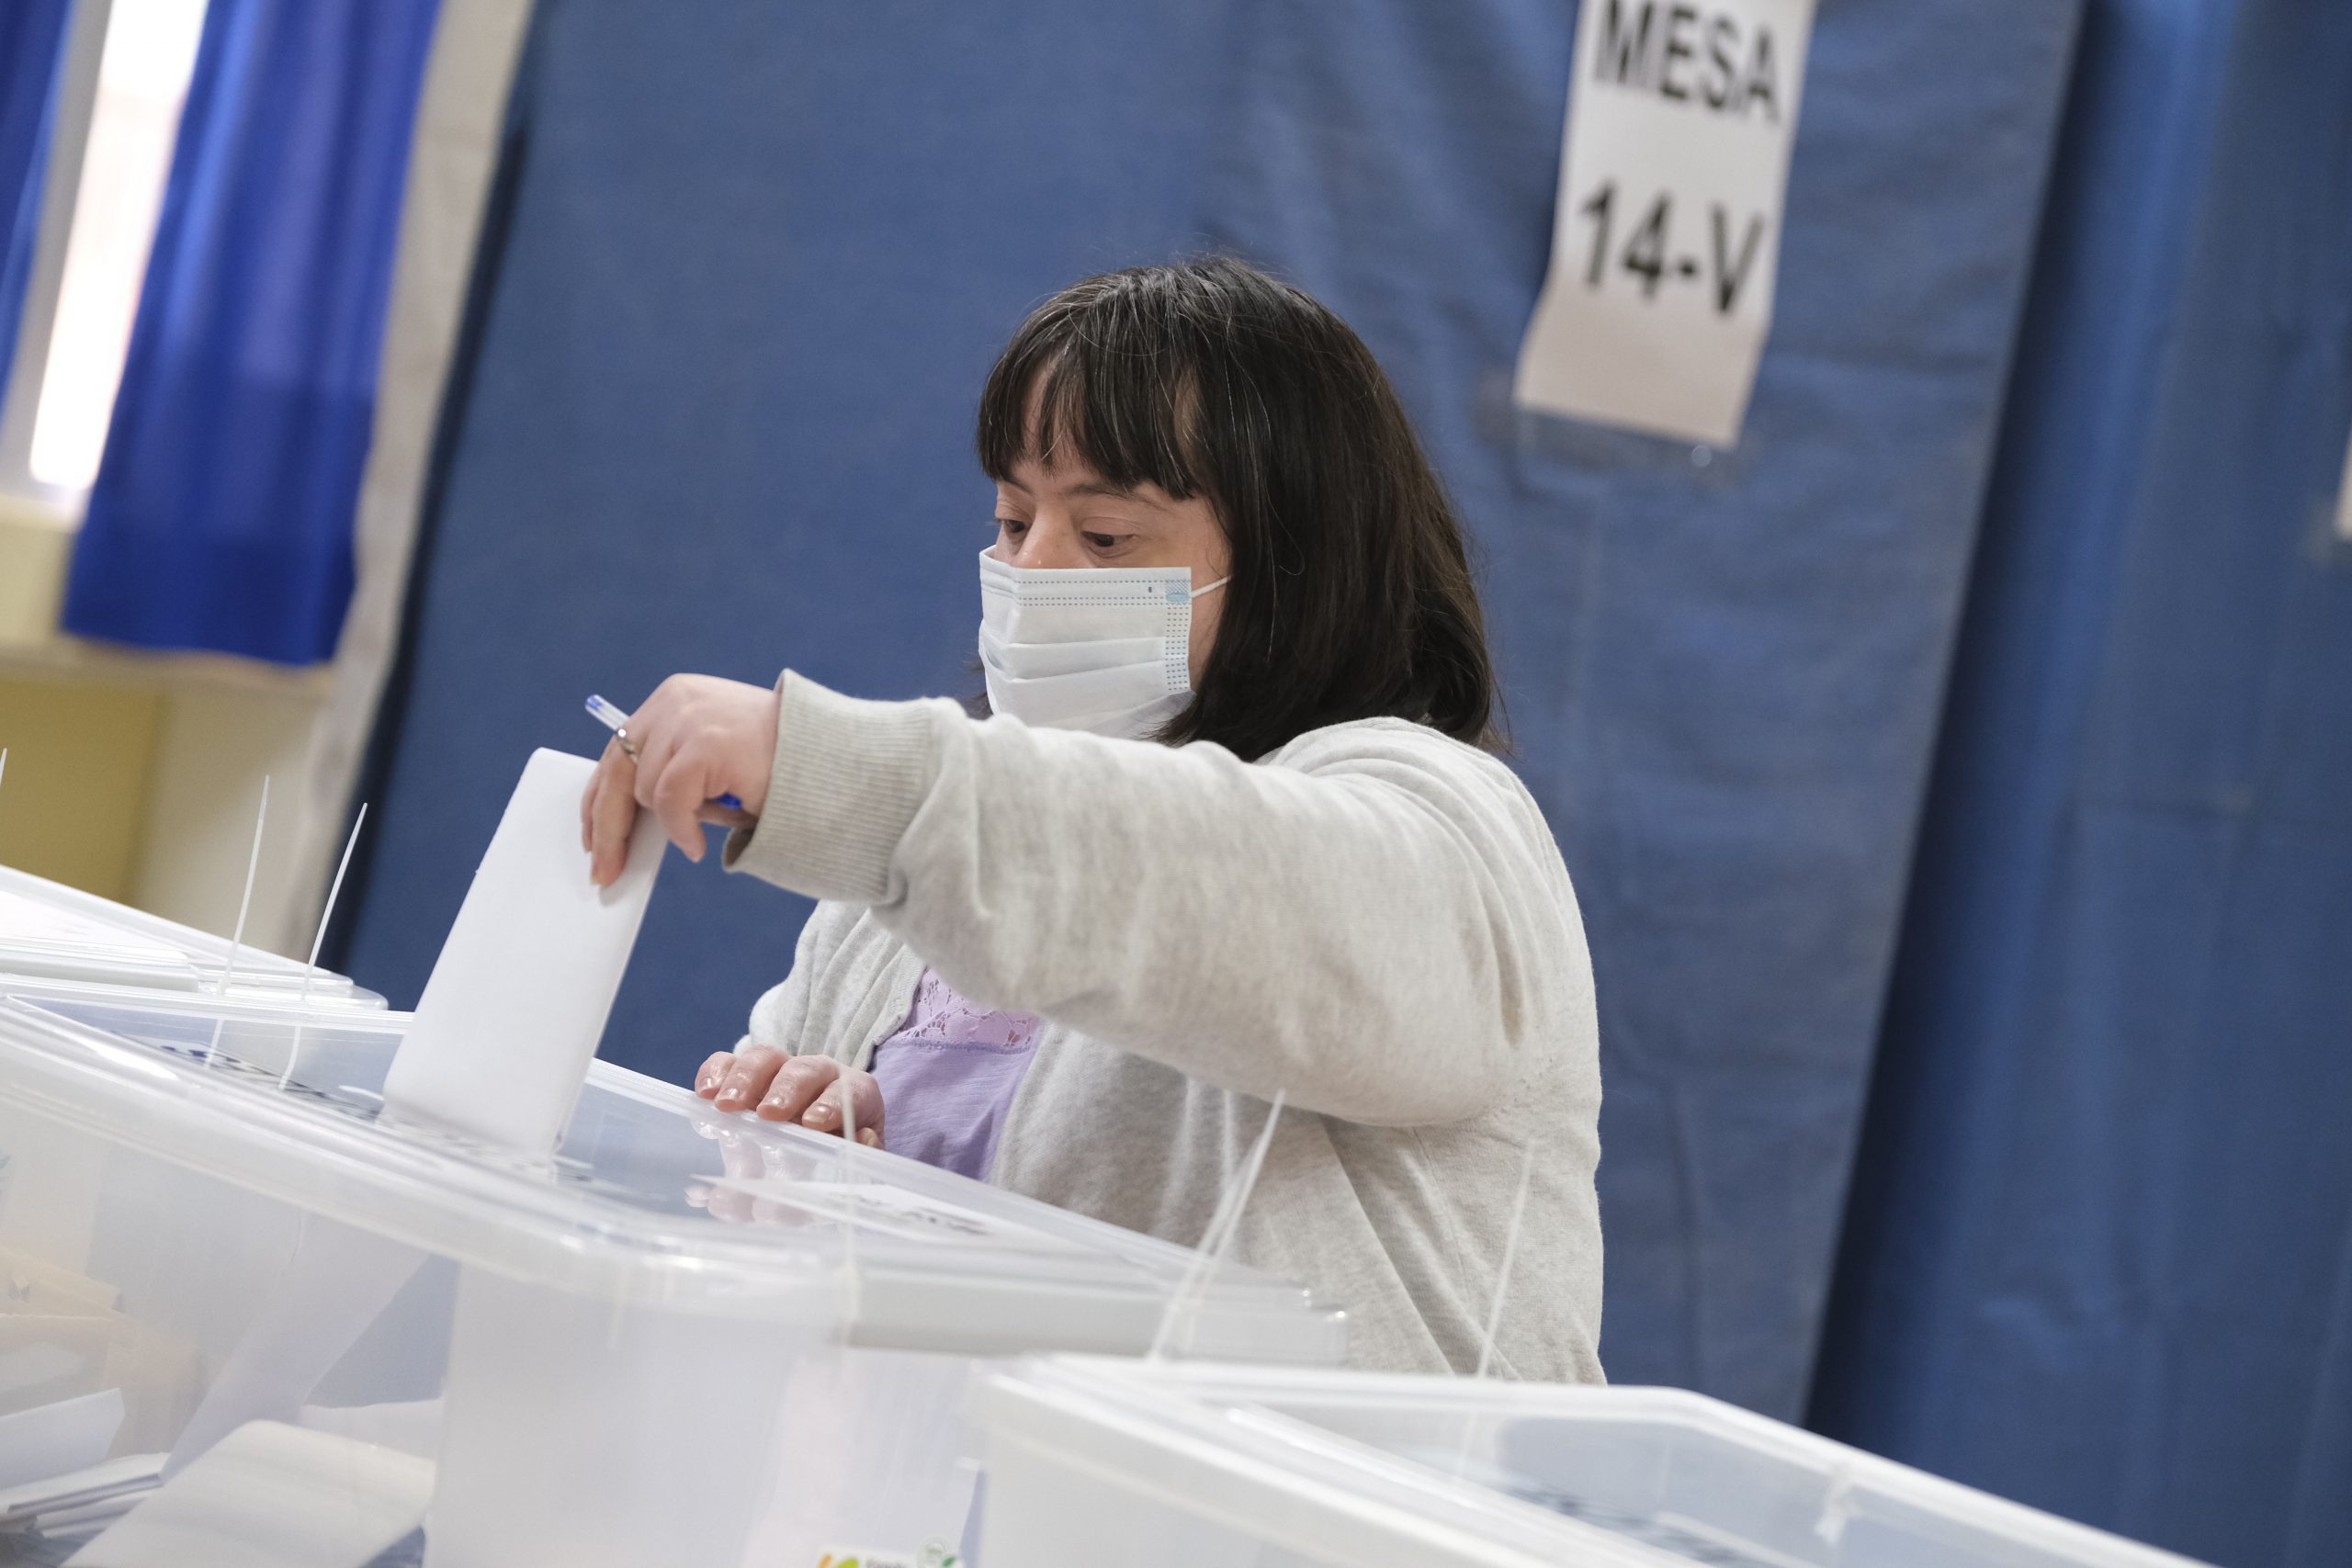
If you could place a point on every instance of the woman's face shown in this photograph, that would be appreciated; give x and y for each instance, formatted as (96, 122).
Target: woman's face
(1065, 517)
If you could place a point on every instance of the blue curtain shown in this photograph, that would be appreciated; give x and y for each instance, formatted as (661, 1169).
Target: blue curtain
(757, 265)
(222, 515)
(2100, 1253)
(32, 35)
(1725, 679)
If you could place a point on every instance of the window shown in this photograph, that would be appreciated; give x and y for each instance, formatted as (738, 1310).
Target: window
(122, 100)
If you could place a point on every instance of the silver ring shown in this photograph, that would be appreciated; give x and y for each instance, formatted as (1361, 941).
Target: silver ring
(628, 746)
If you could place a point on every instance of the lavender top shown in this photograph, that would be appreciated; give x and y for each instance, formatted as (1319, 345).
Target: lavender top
(948, 1075)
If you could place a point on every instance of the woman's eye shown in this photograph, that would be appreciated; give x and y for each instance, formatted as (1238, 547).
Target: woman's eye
(1106, 541)
(1012, 525)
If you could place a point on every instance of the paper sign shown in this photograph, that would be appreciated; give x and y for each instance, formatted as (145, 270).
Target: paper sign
(1666, 240)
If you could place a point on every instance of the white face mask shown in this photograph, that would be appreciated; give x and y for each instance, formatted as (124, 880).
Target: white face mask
(1106, 649)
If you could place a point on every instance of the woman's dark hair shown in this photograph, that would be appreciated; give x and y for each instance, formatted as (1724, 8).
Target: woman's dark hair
(1351, 594)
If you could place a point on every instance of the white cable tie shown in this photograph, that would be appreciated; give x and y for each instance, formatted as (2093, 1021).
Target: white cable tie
(1510, 1255)
(244, 904)
(1218, 1240)
(1502, 1291)
(302, 998)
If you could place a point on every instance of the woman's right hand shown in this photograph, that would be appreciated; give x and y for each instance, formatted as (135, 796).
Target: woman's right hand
(696, 739)
(807, 1090)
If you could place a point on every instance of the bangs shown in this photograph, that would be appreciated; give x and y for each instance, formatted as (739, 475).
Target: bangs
(1100, 379)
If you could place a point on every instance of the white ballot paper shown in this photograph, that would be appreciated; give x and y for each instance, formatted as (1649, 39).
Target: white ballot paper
(1666, 237)
(517, 1000)
(63, 1435)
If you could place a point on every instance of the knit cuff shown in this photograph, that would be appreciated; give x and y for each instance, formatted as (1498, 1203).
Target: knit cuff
(847, 778)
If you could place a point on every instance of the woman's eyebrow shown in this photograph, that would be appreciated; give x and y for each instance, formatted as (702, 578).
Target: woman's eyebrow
(1107, 491)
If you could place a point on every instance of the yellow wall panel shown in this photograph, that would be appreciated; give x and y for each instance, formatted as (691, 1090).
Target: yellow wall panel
(35, 544)
(73, 803)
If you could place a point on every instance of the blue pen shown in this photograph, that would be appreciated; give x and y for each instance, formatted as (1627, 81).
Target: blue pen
(612, 718)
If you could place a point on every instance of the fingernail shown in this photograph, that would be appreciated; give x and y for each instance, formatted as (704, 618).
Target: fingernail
(741, 1094)
(819, 1115)
(867, 1137)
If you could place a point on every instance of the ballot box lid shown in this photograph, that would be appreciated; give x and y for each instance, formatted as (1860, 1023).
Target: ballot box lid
(1376, 1470)
(50, 930)
(652, 1196)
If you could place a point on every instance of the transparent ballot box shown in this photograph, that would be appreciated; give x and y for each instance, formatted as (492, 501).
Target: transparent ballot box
(237, 1288)
(1149, 1464)
(53, 931)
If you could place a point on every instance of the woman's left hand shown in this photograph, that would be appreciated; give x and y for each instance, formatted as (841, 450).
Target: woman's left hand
(698, 738)
(807, 1090)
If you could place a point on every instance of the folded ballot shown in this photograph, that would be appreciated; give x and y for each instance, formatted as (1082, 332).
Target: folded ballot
(517, 1000)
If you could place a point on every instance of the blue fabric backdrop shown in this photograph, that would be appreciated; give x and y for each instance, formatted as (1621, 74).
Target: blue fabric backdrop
(32, 35)
(757, 265)
(2101, 1253)
(1725, 679)
(222, 515)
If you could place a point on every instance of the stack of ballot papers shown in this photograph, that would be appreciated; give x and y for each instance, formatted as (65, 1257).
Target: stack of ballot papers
(60, 1512)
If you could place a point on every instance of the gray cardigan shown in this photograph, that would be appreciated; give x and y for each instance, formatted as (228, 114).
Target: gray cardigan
(1373, 917)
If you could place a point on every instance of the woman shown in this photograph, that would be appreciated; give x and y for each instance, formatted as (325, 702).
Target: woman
(1233, 829)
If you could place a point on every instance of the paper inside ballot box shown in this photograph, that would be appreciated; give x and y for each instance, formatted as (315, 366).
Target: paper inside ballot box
(61, 1336)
